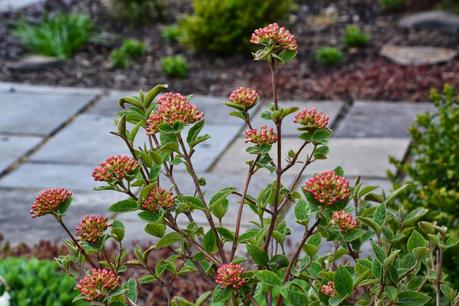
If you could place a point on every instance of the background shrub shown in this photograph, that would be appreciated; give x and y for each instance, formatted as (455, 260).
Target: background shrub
(224, 26)
(34, 282)
(131, 48)
(171, 33)
(433, 169)
(329, 56)
(354, 37)
(174, 66)
(391, 4)
(60, 36)
(137, 12)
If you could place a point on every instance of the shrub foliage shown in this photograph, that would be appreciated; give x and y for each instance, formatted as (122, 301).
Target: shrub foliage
(60, 36)
(224, 26)
(432, 169)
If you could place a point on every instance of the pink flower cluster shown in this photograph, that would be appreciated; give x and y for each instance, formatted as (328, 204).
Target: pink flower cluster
(328, 289)
(311, 119)
(48, 201)
(230, 275)
(172, 108)
(158, 197)
(244, 96)
(91, 228)
(262, 136)
(344, 220)
(328, 187)
(97, 285)
(115, 168)
(273, 35)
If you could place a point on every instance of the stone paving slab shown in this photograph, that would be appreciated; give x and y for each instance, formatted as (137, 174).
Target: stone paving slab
(38, 175)
(108, 105)
(10, 87)
(7, 5)
(95, 143)
(38, 114)
(381, 119)
(364, 156)
(13, 147)
(330, 108)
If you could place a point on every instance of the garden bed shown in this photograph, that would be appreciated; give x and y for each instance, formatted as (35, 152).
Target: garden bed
(363, 75)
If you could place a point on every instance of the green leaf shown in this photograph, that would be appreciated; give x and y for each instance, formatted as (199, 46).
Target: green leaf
(202, 298)
(194, 131)
(343, 281)
(287, 55)
(131, 289)
(192, 201)
(209, 241)
(64, 206)
(156, 229)
(168, 239)
(412, 298)
(302, 212)
(118, 230)
(130, 100)
(380, 214)
(416, 240)
(124, 206)
(414, 215)
(268, 278)
(259, 256)
(152, 93)
(395, 194)
(221, 295)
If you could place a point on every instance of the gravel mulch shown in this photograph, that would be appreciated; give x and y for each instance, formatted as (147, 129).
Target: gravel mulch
(364, 75)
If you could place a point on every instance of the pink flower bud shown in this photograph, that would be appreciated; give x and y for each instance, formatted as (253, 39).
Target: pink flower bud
(172, 108)
(311, 119)
(49, 201)
(230, 275)
(327, 188)
(244, 96)
(344, 220)
(91, 228)
(158, 197)
(274, 36)
(115, 168)
(263, 136)
(328, 289)
(96, 286)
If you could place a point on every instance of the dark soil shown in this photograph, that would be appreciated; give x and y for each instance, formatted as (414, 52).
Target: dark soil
(364, 75)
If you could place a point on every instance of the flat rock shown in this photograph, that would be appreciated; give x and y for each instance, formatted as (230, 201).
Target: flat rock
(367, 157)
(418, 55)
(329, 108)
(7, 5)
(38, 114)
(380, 119)
(13, 147)
(35, 62)
(431, 20)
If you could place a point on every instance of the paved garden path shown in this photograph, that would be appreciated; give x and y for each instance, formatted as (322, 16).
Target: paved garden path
(53, 137)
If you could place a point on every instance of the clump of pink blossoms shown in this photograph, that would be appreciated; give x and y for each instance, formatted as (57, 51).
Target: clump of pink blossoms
(158, 197)
(262, 136)
(91, 228)
(230, 275)
(245, 97)
(49, 201)
(328, 187)
(98, 284)
(311, 119)
(344, 220)
(328, 289)
(273, 35)
(172, 108)
(115, 168)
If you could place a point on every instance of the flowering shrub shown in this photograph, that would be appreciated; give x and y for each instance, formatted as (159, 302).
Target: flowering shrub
(330, 265)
